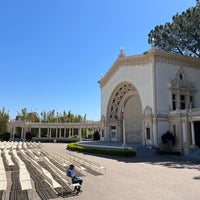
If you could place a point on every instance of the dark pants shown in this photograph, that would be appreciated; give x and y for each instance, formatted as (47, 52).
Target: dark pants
(77, 180)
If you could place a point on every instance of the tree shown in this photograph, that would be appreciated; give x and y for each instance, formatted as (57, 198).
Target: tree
(27, 116)
(23, 115)
(4, 117)
(51, 116)
(5, 136)
(181, 36)
(33, 117)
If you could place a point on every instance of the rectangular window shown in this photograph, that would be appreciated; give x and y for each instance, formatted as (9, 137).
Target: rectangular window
(113, 133)
(113, 127)
(173, 102)
(182, 102)
(174, 130)
(148, 133)
(191, 102)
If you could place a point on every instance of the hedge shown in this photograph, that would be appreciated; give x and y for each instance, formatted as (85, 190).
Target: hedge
(165, 152)
(102, 151)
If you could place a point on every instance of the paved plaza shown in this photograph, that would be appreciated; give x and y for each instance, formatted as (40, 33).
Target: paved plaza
(139, 178)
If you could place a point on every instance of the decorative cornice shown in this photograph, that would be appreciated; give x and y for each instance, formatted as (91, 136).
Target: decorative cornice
(151, 56)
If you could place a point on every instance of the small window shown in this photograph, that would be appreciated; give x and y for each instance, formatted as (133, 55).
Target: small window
(174, 130)
(191, 102)
(113, 127)
(173, 102)
(182, 102)
(148, 133)
(181, 76)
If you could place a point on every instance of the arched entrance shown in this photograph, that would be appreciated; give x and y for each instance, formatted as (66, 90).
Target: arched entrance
(125, 115)
(133, 120)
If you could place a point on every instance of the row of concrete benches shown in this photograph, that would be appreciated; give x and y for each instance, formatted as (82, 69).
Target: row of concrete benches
(11, 159)
(33, 158)
(3, 179)
(19, 145)
(30, 154)
(85, 163)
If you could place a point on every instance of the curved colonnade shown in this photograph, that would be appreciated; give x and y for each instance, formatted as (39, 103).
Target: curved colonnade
(61, 130)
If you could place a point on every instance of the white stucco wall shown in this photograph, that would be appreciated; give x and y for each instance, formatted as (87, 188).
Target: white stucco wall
(162, 127)
(139, 76)
(193, 75)
(164, 73)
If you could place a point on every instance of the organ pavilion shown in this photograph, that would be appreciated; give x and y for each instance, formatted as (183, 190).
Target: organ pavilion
(144, 96)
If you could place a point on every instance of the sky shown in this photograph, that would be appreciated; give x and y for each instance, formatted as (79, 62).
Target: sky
(53, 52)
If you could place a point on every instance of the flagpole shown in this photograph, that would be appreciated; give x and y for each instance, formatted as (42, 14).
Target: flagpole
(123, 128)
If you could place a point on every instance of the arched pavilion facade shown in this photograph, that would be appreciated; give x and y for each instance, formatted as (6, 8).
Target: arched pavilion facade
(144, 96)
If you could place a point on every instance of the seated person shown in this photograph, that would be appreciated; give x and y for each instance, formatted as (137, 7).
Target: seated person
(75, 179)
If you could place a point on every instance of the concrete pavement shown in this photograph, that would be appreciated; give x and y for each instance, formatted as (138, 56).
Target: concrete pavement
(139, 178)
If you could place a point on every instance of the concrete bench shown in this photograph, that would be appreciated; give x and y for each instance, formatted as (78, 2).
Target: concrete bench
(68, 161)
(8, 159)
(87, 163)
(45, 174)
(61, 174)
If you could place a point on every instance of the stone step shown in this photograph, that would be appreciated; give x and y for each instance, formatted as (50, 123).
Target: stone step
(144, 151)
(194, 154)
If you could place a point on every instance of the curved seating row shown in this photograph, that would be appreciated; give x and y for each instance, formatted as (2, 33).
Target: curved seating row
(24, 176)
(47, 176)
(86, 163)
(3, 179)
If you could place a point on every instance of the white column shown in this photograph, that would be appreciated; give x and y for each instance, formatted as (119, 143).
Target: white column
(192, 131)
(22, 130)
(50, 132)
(184, 132)
(72, 132)
(86, 132)
(39, 134)
(60, 133)
(13, 133)
(80, 134)
(56, 132)
(64, 132)
(154, 131)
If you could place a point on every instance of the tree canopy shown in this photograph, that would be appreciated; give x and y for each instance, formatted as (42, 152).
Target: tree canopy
(181, 36)
(50, 116)
(4, 117)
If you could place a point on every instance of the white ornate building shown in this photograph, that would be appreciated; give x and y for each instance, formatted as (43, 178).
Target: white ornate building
(144, 96)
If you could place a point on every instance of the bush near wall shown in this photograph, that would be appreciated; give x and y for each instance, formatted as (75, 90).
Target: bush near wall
(102, 151)
(52, 140)
(168, 152)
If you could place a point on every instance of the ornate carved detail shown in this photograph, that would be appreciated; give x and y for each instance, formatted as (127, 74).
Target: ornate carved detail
(116, 99)
(147, 111)
(181, 81)
(121, 54)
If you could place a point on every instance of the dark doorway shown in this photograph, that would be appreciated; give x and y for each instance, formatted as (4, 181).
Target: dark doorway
(197, 133)
(96, 135)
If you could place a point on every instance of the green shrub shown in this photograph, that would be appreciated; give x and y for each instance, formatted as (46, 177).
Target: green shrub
(74, 147)
(165, 152)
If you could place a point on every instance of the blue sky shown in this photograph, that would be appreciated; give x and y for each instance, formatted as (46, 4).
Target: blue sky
(52, 52)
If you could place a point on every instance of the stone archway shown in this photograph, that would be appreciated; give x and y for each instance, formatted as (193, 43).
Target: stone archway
(125, 97)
